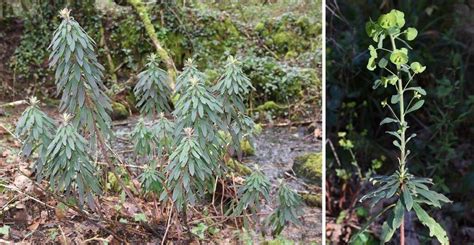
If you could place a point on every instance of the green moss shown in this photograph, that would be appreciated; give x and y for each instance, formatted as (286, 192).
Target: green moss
(175, 44)
(119, 111)
(247, 148)
(291, 55)
(131, 101)
(309, 167)
(282, 38)
(313, 200)
(212, 75)
(259, 27)
(238, 167)
(269, 106)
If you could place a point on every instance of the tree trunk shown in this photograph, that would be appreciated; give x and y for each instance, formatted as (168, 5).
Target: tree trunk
(150, 29)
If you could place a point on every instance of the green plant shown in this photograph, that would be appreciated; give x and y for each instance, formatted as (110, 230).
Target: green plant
(190, 168)
(78, 76)
(287, 211)
(36, 130)
(232, 88)
(409, 192)
(143, 138)
(152, 90)
(255, 187)
(68, 165)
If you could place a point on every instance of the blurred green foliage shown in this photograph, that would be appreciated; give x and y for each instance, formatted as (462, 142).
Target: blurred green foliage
(280, 50)
(443, 148)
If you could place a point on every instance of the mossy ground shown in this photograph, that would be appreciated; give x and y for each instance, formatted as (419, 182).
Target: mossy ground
(309, 167)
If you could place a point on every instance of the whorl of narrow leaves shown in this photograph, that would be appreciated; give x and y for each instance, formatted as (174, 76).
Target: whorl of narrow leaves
(163, 131)
(68, 166)
(256, 187)
(183, 81)
(197, 108)
(287, 211)
(232, 88)
(152, 90)
(36, 130)
(409, 191)
(143, 138)
(189, 169)
(79, 75)
(152, 180)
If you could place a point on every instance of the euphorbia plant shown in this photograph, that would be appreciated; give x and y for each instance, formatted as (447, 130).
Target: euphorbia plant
(405, 190)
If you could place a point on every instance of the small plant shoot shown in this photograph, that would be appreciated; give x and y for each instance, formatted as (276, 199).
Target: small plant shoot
(391, 54)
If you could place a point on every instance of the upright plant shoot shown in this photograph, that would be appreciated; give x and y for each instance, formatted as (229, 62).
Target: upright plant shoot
(409, 192)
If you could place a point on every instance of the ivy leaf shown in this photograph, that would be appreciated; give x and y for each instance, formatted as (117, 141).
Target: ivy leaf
(411, 33)
(140, 217)
(435, 228)
(5, 230)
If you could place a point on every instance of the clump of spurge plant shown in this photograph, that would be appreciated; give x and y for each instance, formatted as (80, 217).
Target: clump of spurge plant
(287, 211)
(183, 150)
(36, 130)
(78, 75)
(407, 191)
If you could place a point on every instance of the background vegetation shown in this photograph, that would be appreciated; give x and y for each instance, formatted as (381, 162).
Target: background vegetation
(278, 42)
(358, 147)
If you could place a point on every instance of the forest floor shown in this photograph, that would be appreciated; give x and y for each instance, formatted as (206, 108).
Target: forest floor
(35, 216)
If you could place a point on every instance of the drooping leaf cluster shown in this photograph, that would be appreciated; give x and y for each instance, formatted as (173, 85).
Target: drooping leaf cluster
(198, 109)
(189, 170)
(232, 88)
(183, 81)
(163, 130)
(78, 76)
(68, 166)
(255, 188)
(152, 90)
(143, 139)
(287, 211)
(409, 191)
(152, 180)
(36, 130)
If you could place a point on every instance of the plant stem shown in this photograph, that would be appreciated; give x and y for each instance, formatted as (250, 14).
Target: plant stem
(403, 127)
(401, 92)
(402, 231)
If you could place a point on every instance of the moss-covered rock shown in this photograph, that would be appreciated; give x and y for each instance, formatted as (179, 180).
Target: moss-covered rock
(309, 167)
(238, 167)
(312, 200)
(291, 55)
(259, 27)
(119, 111)
(247, 148)
(269, 106)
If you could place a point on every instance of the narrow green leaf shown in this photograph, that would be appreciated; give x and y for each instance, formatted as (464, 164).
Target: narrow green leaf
(416, 106)
(407, 198)
(435, 228)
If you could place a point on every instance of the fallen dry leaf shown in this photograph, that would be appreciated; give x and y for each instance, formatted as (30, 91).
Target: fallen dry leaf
(34, 226)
